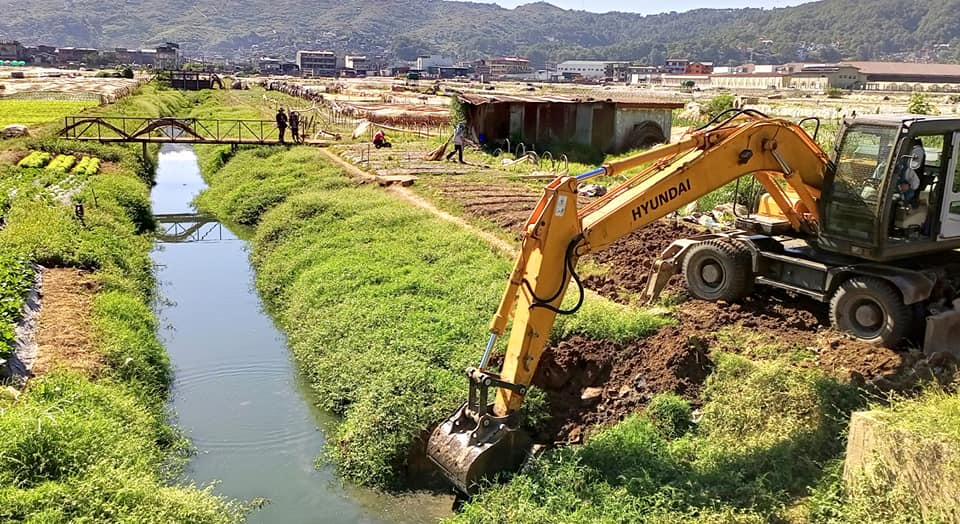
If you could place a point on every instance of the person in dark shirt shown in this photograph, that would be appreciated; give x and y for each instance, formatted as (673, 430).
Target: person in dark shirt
(281, 123)
(295, 126)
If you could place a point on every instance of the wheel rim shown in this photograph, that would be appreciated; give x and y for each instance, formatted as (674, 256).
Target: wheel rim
(711, 274)
(867, 316)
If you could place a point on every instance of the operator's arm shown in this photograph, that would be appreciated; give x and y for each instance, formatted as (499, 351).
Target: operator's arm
(556, 234)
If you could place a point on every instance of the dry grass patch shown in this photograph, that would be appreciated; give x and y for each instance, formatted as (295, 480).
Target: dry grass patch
(65, 334)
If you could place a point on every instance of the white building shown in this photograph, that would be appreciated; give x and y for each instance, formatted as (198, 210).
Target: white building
(357, 63)
(585, 68)
(317, 63)
(425, 62)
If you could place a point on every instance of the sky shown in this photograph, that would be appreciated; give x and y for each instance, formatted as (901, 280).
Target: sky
(651, 7)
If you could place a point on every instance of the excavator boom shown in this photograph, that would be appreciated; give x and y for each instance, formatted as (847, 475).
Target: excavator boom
(481, 438)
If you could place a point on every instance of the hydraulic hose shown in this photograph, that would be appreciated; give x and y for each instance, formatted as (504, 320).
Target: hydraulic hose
(568, 269)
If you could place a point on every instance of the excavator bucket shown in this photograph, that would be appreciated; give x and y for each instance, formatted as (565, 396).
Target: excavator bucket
(467, 461)
(473, 445)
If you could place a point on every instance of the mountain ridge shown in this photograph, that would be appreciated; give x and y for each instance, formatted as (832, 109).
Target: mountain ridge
(825, 30)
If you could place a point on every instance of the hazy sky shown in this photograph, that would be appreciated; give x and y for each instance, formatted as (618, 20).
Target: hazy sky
(651, 7)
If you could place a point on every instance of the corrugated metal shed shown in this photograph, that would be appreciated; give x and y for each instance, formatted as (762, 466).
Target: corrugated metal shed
(619, 99)
(604, 125)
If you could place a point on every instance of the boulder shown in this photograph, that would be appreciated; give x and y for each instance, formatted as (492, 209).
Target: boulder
(14, 131)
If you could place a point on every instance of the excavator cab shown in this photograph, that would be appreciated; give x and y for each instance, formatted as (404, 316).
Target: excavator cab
(889, 193)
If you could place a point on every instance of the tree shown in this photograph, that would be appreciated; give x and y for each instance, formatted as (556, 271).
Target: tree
(919, 105)
(719, 104)
(127, 72)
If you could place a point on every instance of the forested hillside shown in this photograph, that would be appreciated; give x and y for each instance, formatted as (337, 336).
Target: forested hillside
(825, 30)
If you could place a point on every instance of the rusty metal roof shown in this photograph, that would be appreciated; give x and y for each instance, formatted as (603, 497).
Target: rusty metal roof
(479, 99)
(905, 68)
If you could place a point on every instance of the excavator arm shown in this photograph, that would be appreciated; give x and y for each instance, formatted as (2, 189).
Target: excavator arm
(481, 438)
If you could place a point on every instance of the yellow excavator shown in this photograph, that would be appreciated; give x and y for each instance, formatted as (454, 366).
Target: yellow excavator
(871, 233)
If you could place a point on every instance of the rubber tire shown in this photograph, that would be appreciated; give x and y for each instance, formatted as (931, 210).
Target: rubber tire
(736, 270)
(897, 316)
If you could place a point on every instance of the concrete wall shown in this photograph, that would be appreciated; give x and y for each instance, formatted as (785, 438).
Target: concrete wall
(750, 82)
(896, 461)
(627, 119)
(608, 127)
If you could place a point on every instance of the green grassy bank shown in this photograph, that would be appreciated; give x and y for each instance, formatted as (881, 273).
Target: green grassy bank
(75, 447)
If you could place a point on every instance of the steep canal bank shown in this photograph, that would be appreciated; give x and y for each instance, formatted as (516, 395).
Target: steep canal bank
(236, 393)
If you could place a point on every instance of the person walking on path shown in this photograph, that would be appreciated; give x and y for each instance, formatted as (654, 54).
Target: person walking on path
(281, 123)
(458, 135)
(295, 126)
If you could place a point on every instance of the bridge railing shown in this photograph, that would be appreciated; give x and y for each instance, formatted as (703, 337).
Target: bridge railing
(191, 130)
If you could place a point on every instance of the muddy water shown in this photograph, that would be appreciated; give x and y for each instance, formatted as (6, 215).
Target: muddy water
(236, 393)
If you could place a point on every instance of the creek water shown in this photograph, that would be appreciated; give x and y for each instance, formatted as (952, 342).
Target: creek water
(236, 393)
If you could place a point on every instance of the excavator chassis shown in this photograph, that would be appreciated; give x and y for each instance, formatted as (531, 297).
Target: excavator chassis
(473, 444)
(789, 264)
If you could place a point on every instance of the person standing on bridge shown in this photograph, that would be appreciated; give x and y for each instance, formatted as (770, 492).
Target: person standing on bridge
(281, 123)
(295, 126)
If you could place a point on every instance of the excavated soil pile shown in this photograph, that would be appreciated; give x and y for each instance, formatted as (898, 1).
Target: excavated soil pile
(631, 258)
(590, 382)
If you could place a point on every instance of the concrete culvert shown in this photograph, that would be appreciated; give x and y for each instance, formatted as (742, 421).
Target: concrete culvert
(645, 134)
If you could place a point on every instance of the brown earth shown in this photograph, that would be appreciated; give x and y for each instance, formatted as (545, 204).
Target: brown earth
(631, 258)
(507, 206)
(590, 382)
(65, 334)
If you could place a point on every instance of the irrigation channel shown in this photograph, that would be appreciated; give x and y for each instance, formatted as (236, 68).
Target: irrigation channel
(236, 393)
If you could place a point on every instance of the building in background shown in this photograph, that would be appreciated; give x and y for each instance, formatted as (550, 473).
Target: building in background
(268, 65)
(676, 66)
(168, 56)
(509, 65)
(608, 126)
(359, 64)
(897, 76)
(76, 55)
(425, 62)
(141, 57)
(317, 63)
(699, 68)
(594, 69)
(12, 50)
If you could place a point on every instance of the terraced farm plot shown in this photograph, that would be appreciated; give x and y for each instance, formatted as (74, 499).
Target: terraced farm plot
(33, 112)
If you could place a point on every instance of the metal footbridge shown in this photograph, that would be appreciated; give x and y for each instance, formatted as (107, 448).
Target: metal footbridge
(170, 130)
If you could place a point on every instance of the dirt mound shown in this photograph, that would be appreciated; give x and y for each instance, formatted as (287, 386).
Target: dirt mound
(591, 382)
(631, 258)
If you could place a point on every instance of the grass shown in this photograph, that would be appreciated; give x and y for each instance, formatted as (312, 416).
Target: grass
(33, 112)
(93, 449)
(654, 467)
